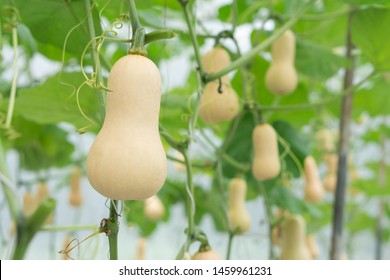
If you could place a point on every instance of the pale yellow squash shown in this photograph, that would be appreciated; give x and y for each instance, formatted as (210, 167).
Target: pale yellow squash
(140, 249)
(314, 190)
(294, 246)
(312, 245)
(266, 163)
(217, 107)
(154, 208)
(238, 215)
(209, 254)
(75, 197)
(127, 161)
(281, 77)
(326, 140)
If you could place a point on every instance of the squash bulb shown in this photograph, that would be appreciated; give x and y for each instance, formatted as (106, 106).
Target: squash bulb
(127, 161)
(314, 191)
(206, 254)
(294, 246)
(281, 77)
(218, 106)
(154, 208)
(238, 215)
(266, 164)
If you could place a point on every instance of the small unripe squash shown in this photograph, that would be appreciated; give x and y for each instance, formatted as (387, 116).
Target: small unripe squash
(266, 164)
(294, 246)
(127, 161)
(153, 208)
(281, 77)
(312, 245)
(314, 191)
(75, 197)
(329, 182)
(219, 101)
(239, 218)
(207, 254)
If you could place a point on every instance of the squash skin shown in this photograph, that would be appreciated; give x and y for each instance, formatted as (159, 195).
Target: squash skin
(294, 246)
(314, 191)
(216, 107)
(281, 77)
(206, 255)
(127, 160)
(266, 164)
(239, 218)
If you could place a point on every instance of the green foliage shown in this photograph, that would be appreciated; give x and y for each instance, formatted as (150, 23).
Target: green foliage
(370, 33)
(41, 146)
(58, 95)
(52, 24)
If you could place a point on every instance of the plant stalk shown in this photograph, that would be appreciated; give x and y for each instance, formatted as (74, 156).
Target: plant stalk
(344, 132)
(15, 70)
(194, 39)
(113, 229)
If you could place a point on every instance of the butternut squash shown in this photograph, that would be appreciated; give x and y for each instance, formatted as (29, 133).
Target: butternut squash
(281, 77)
(314, 191)
(43, 193)
(326, 140)
(312, 245)
(330, 178)
(29, 203)
(206, 253)
(294, 246)
(153, 208)
(215, 60)
(219, 101)
(75, 197)
(218, 106)
(140, 249)
(266, 164)
(238, 215)
(127, 160)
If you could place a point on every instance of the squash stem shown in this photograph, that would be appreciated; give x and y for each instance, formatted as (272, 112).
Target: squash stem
(230, 245)
(138, 46)
(113, 229)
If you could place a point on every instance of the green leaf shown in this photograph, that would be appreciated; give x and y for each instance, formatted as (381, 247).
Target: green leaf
(297, 149)
(41, 146)
(50, 21)
(56, 101)
(371, 34)
(374, 100)
(361, 221)
(316, 61)
(241, 146)
(371, 188)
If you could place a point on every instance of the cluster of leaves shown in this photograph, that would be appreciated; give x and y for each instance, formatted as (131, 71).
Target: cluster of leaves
(61, 33)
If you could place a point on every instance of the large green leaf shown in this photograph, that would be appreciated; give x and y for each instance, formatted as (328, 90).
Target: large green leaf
(316, 61)
(371, 33)
(50, 21)
(56, 101)
(41, 146)
(361, 221)
(374, 100)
